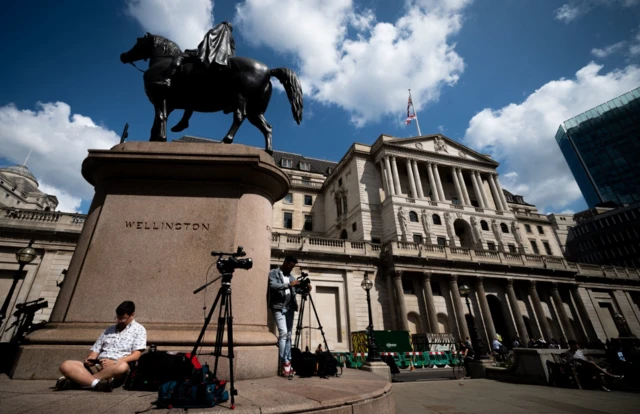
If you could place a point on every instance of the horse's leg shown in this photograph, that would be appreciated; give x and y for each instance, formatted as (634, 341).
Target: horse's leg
(261, 123)
(156, 128)
(238, 118)
(184, 121)
(163, 120)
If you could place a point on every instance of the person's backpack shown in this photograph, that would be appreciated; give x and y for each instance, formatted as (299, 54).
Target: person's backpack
(327, 364)
(202, 390)
(156, 368)
(303, 363)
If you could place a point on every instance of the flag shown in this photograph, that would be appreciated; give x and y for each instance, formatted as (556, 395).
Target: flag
(410, 116)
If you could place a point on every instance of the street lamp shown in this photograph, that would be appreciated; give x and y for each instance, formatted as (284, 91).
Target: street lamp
(479, 350)
(24, 256)
(372, 353)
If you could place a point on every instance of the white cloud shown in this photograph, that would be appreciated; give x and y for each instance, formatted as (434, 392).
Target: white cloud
(567, 211)
(59, 142)
(366, 74)
(634, 47)
(183, 21)
(603, 53)
(569, 12)
(522, 135)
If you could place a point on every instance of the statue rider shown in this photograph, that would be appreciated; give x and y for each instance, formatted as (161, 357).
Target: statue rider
(213, 52)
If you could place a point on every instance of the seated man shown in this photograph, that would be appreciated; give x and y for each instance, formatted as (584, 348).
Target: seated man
(109, 359)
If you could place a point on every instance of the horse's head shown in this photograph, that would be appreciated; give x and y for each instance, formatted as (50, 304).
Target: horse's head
(143, 49)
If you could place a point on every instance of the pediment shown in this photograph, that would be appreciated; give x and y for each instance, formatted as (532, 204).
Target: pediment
(440, 144)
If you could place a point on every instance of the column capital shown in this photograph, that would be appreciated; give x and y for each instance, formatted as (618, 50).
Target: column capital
(532, 284)
(453, 277)
(479, 280)
(574, 286)
(510, 282)
(397, 274)
(427, 275)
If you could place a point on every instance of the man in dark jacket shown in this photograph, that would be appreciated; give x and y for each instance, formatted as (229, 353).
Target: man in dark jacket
(283, 304)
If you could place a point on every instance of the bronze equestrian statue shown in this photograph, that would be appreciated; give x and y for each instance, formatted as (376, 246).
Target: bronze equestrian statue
(210, 79)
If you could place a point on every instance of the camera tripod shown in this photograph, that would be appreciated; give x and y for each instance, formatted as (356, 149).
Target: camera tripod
(225, 316)
(299, 325)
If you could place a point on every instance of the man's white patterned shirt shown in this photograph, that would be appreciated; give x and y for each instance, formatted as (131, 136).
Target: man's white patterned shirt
(115, 345)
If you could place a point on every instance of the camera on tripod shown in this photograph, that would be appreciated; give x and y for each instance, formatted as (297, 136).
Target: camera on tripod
(305, 282)
(232, 262)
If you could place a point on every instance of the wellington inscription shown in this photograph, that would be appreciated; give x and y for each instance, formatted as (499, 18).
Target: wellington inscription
(164, 225)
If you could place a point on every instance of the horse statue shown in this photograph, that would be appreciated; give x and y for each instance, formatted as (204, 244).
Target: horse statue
(244, 88)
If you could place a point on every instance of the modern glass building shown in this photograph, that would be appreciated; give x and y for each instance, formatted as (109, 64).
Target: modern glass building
(602, 148)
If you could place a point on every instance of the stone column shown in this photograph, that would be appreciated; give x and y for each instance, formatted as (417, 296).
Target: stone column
(402, 308)
(542, 317)
(436, 174)
(517, 314)
(432, 182)
(496, 196)
(412, 181)
(389, 175)
(503, 198)
(456, 184)
(396, 176)
(385, 183)
(484, 308)
(476, 189)
(482, 192)
(459, 308)
(584, 315)
(428, 299)
(416, 173)
(562, 313)
(463, 187)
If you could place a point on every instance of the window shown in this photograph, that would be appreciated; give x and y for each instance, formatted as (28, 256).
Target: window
(340, 182)
(547, 248)
(288, 220)
(540, 230)
(308, 200)
(288, 199)
(308, 222)
(305, 166)
(504, 228)
(306, 181)
(413, 217)
(417, 238)
(343, 234)
(512, 248)
(455, 200)
(354, 226)
(407, 287)
(375, 240)
(286, 163)
(484, 225)
(341, 206)
(436, 219)
(534, 246)
(442, 241)
(527, 228)
(491, 245)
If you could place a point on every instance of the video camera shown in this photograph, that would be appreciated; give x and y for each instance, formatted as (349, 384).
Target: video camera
(232, 262)
(30, 307)
(305, 282)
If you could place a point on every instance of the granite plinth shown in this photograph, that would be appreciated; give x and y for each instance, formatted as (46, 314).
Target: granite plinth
(158, 212)
(378, 368)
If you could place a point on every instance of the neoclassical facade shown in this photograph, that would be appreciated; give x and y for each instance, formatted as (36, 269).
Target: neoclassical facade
(420, 217)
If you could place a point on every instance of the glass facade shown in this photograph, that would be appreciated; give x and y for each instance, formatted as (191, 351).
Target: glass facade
(602, 148)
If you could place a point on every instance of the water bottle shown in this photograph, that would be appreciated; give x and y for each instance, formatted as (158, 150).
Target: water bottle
(153, 348)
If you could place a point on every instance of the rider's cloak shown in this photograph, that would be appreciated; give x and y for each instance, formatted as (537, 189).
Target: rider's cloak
(217, 46)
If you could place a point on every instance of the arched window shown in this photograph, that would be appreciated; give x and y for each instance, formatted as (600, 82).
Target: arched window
(413, 217)
(436, 219)
(484, 225)
(504, 228)
(343, 234)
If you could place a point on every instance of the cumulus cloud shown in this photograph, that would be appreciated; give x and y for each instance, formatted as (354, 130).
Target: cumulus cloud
(183, 21)
(569, 12)
(366, 73)
(522, 135)
(611, 49)
(59, 141)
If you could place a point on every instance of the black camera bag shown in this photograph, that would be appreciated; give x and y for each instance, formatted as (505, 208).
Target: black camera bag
(155, 368)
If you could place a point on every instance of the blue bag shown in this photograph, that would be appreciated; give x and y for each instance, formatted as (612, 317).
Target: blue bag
(202, 390)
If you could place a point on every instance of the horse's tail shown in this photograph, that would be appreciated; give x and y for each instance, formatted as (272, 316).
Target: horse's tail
(291, 84)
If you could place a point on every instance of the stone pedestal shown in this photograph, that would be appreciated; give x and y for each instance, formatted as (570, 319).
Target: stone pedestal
(159, 210)
(477, 368)
(378, 368)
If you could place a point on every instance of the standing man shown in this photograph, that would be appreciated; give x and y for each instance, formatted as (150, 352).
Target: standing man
(283, 304)
(109, 358)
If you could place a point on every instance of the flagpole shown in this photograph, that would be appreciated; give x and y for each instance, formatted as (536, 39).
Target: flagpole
(415, 113)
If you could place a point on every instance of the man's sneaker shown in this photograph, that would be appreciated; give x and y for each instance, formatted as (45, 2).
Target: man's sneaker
(66, 384)
(105, 385)
(286, 369)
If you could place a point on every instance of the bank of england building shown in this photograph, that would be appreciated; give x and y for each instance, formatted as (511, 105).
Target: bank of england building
(419, 217)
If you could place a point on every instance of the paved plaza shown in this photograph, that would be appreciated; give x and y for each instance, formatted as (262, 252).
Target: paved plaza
(315, 394)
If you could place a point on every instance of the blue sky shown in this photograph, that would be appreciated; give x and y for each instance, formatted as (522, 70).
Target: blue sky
(498, 76)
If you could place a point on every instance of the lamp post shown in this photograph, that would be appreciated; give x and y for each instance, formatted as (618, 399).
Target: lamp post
(24, 256)
(479, 350)
(372, 352)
